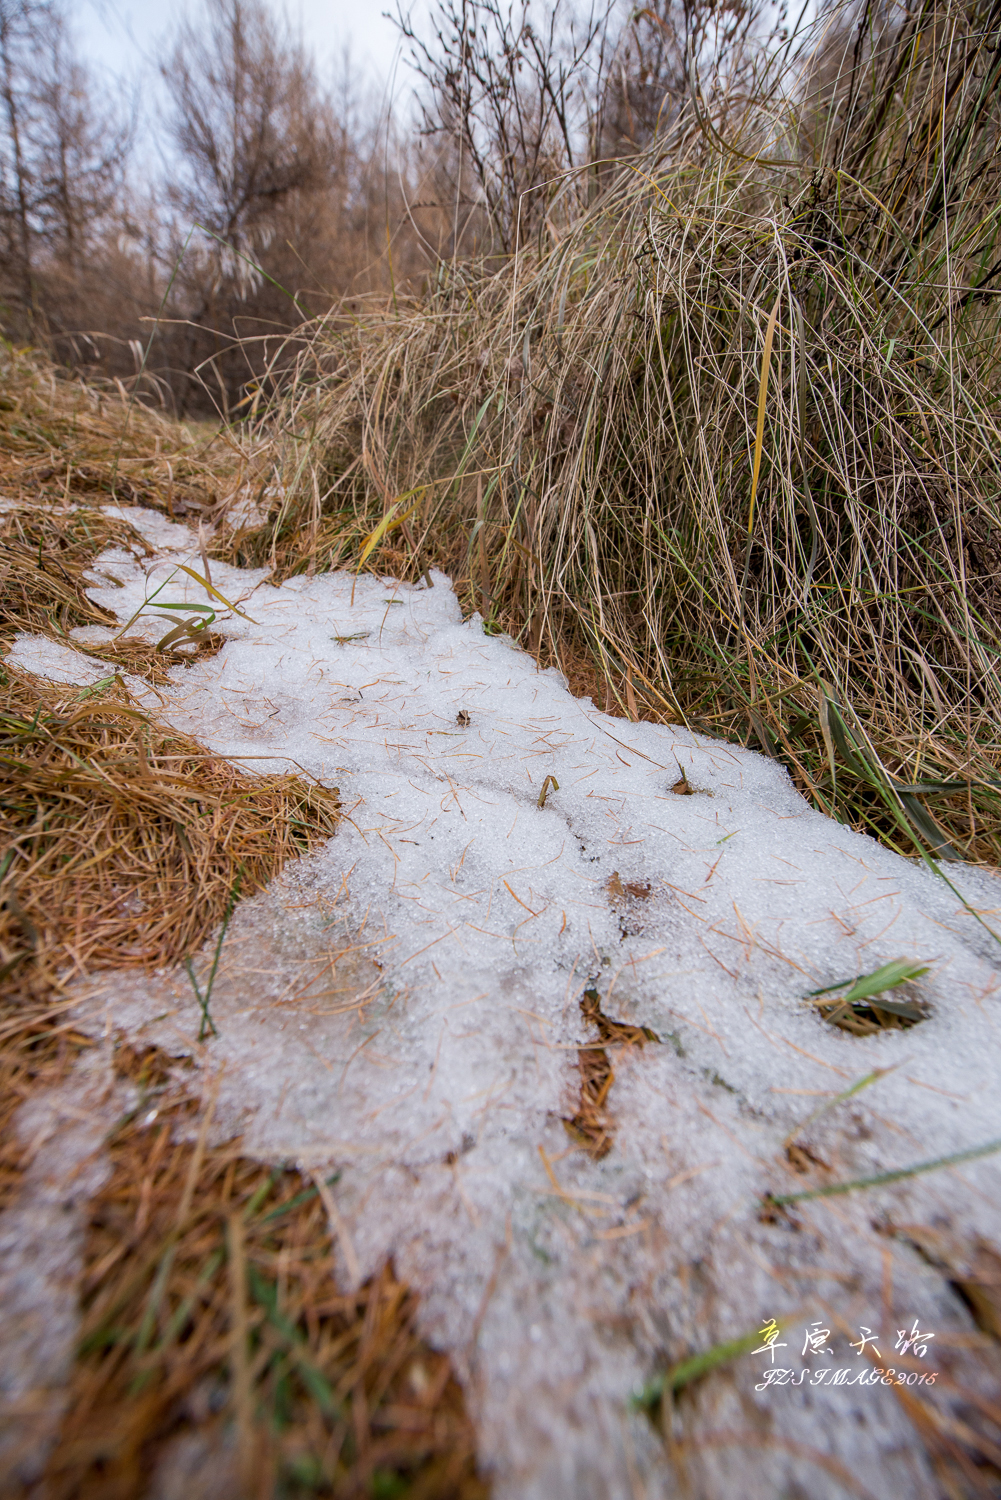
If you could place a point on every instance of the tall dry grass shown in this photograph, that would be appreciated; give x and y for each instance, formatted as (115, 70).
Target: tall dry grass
(733, 432)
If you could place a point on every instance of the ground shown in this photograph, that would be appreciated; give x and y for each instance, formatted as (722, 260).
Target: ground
(527, 1114)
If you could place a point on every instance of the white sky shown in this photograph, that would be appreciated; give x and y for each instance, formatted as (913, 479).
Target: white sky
(124, 35)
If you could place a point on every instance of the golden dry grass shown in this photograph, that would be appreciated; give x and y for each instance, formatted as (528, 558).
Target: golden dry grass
(215, 1340)
(732, 431)
(124, 845)
(45, 570)
(63, 441)
(127, 839)
(124, 841)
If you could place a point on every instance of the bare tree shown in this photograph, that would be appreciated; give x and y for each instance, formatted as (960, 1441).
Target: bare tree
(297, 188)
(521, 101)
(512, 101)
(256, 160)
(17, 21)
(249, 122)
(62, 166)
(78, 150)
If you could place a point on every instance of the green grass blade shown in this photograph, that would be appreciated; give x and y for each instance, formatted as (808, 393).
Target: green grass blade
(881, 1178)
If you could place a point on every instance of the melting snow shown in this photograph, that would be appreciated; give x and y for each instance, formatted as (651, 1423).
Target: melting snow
(41, 1242)
(404, 1006)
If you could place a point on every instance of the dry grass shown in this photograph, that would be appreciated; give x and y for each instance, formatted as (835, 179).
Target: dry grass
(124, 842)
(46, 568)
(124, 845)
(216, 1344)
(66, 450)
(127, 838)
(47, 561)
(733, 433)
(591, 1125)
(63, 441)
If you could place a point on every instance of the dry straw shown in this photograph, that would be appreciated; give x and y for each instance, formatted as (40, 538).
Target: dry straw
(123, 840)
(126, 838)
(65, 441)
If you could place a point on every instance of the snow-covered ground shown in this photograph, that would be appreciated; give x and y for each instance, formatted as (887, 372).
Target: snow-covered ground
(404, 1006)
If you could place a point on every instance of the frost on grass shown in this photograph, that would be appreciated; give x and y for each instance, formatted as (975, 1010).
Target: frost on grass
(405, 1006)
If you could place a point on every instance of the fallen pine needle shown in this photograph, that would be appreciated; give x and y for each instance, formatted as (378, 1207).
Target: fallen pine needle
(340, 1230)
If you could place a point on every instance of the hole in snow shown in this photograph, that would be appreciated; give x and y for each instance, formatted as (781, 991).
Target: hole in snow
(590, 1126)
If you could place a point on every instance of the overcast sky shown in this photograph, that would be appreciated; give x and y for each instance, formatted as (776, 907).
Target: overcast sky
(125, 34)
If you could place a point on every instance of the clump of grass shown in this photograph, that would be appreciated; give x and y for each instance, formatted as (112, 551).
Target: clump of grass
(47, 557)
(863, 1009)
(211, 1317)
(46, 567)
(732, 433)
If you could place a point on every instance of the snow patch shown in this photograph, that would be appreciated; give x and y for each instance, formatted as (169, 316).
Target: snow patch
(405, 1005)
(41, 1244)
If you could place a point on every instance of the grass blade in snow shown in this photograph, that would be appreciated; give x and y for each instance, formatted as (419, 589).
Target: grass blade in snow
(860, 1010)
(833, 1189)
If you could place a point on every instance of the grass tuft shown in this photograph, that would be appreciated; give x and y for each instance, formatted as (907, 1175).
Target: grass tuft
(862, 1008)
